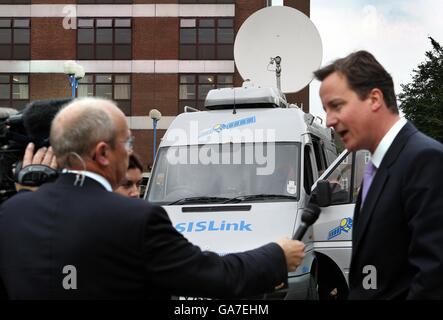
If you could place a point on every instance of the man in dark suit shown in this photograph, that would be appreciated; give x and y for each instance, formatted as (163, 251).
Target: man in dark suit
(397, 236)
(75, 239)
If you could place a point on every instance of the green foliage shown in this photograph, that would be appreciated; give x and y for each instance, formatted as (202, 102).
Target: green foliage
(422, 99)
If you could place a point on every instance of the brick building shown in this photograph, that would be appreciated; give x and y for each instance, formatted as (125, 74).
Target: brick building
(144, 54)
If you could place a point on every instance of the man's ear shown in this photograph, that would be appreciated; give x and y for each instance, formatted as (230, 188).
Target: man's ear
(101, 153)
(377, 99)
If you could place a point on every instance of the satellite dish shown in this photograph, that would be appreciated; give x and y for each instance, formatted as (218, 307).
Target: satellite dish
(273, 32)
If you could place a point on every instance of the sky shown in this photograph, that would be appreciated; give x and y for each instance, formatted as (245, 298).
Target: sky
(395, 31)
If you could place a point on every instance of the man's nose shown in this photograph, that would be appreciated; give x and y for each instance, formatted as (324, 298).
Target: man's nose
(134, 192)
(331, 120)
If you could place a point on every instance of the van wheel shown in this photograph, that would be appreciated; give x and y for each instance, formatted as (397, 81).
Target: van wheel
(331, 282)
(332, 291)
(312, 293)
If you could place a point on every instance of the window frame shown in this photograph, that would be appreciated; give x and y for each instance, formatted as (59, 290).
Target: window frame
(199, 103)
(113, 43)
(206, 1)
(105, 2)
(199, 45)
(367, 157)
(12, 43)
(10, 101)
(2, 2)
(113, 83)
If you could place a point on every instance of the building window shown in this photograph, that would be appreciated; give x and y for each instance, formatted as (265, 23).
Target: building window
(367, 157)
(14, 39)
(115, 87)
(14, 90)
(194, 88)
(206, 1)
(344, 183)
(15, 1)
(207, 39)
(104, 39)
(104, 1)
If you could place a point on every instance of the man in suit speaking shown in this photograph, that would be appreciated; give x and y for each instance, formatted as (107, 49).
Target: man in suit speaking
(75, 239)
(397, 240)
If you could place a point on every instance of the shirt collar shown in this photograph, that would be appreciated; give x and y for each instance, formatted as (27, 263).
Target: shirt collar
(386, 142)
(100, 179)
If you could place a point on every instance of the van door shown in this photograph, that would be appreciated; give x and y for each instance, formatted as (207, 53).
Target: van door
(333, 229)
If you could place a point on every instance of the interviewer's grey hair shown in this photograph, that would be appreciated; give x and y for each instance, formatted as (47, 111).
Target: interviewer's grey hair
(79, 126)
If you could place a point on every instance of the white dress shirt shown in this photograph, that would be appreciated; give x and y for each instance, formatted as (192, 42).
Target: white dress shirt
(386, 142)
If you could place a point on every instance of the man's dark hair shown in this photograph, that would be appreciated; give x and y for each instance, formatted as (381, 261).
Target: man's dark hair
(135, 162)
(363, 73)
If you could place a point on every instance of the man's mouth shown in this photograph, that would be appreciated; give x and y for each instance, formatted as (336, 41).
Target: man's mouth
(343, 133)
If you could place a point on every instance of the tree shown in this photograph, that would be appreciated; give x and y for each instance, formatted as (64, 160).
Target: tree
(422, 99)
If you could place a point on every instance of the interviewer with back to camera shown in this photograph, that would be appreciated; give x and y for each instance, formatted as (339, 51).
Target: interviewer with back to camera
(121, 248)
(397, 238)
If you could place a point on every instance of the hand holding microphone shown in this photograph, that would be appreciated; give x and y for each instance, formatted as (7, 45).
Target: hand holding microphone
(309, 216)
(294, 252)
(294, 249)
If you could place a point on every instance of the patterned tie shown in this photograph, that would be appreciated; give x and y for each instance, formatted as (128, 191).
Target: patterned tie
(367, 179)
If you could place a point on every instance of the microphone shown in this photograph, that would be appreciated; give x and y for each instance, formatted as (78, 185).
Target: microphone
(309, 216)
(38, 116)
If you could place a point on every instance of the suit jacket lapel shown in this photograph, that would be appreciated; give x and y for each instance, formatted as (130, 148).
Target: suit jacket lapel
(356, 212)
(364, 214)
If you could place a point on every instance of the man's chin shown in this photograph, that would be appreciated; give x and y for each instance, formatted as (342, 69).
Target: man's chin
(349, 146)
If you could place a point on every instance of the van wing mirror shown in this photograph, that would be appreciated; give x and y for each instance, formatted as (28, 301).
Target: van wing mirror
(322, 193)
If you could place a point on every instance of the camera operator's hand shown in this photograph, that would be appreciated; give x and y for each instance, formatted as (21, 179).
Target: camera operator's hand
(44, 156)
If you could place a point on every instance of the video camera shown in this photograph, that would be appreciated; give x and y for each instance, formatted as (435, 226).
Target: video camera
(17, 129)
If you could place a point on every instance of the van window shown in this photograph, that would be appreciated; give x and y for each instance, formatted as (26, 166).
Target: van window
(226, 171)
(320, 157)
(308, 176)
(345, 185)
(340, 181)
(330, 156)
(361, 159)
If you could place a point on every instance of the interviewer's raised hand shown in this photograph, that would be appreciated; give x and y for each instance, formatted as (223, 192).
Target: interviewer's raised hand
(294, 252)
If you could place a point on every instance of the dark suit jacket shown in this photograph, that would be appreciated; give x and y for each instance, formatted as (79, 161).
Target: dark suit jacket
(399, 229)
(121, 248)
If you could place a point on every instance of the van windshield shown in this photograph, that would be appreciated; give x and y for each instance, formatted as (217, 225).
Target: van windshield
(218, 173)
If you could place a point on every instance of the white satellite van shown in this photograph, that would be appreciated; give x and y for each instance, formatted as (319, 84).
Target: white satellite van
(239, 176)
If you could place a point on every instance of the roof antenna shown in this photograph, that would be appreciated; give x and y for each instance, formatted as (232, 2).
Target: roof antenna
(277, 61)
(234, 111)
